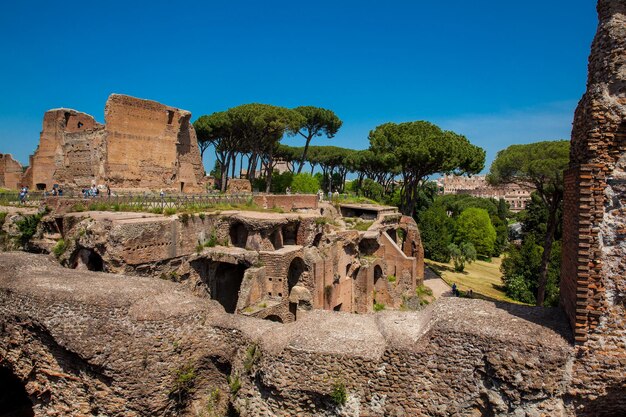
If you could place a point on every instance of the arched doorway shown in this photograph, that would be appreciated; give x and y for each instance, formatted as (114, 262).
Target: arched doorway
(226, 286)
(296, 268)
(14, 400)
(88, 259)
(238, 235)
(378, 273)
(274, 318)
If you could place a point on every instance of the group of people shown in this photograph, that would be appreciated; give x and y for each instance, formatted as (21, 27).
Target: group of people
(94, 191)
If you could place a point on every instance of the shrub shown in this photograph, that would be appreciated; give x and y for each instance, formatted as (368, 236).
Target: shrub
(199, 247)
(379, 307)
(212, 241)
(304, 183)
(362, 226)
(3, 217)
(184, 218)
(184, 380)
(234, 383)
(253, 355)
(339, 393)
(59, 248)
(391, 278)
(78, 207)
(28, 226)
(169, 211)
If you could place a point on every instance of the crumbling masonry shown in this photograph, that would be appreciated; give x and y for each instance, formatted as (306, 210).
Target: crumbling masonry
(593, 278)
(142, 145)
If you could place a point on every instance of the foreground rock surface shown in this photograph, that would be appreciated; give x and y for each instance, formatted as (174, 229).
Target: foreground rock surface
(87, 343)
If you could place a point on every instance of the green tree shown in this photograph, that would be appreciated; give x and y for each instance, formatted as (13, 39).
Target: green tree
(474, 226)
(421, 149)
(304, 183)
(520, 269)
(316, 122)
(541, 165)
(465, 252)
(436, 233)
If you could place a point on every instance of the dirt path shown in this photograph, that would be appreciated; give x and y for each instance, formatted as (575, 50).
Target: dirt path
(439, 286)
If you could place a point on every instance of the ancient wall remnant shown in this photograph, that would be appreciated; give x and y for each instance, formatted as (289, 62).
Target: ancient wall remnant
(142, 145)
(593, 276)
(10, 172)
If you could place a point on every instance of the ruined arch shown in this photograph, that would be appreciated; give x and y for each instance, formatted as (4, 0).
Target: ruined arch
(14, 400)
(226, 284)
(88, 259)
(296, 268)
(275, 318)
(290, 233)
(378, 273)
(238, 234)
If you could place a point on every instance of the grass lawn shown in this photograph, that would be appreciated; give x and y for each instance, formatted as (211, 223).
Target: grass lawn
(484, 278)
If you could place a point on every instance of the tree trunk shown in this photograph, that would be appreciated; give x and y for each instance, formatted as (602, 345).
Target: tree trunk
(547, 251)
(306, 150)
(224, 170)
(268, 177)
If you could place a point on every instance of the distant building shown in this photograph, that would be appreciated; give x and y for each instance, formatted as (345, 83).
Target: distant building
(477, 186)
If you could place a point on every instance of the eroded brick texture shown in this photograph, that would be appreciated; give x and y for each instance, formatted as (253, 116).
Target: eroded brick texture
(142, 145)
(593, 279)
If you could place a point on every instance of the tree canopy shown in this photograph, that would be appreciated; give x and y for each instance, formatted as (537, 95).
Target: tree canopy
(421, 149)
(474, 226)
(316, 122)
(540, 165)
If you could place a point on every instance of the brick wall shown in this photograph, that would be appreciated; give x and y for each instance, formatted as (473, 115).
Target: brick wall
(287, 202)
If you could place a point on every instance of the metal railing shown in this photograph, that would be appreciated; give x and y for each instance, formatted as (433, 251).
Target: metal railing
(140, 202)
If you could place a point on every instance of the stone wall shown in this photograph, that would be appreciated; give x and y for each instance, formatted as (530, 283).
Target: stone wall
(10, 172)
(593, 276)
(85, 343)
(143, 145)
(287, 202)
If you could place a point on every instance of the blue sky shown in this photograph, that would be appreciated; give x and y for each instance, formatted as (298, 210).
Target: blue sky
(498, 72)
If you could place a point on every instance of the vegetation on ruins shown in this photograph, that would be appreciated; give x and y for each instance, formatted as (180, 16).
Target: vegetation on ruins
(59, 248)
(540, 164)
(27, 226)
(379, 307)
(253, 355)
(234, 383)
(184, 381)
(339, 394)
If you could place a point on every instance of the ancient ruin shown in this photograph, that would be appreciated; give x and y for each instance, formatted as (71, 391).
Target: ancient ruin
(143, 145)
(516, 195)
(10, 172)
(593, 276)
(254, 312)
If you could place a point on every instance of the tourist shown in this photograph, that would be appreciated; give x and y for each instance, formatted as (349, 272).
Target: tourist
(470, 293)
(320, 195)
(454, 290)
(108, 191)
(162, 193)
(288, 190)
